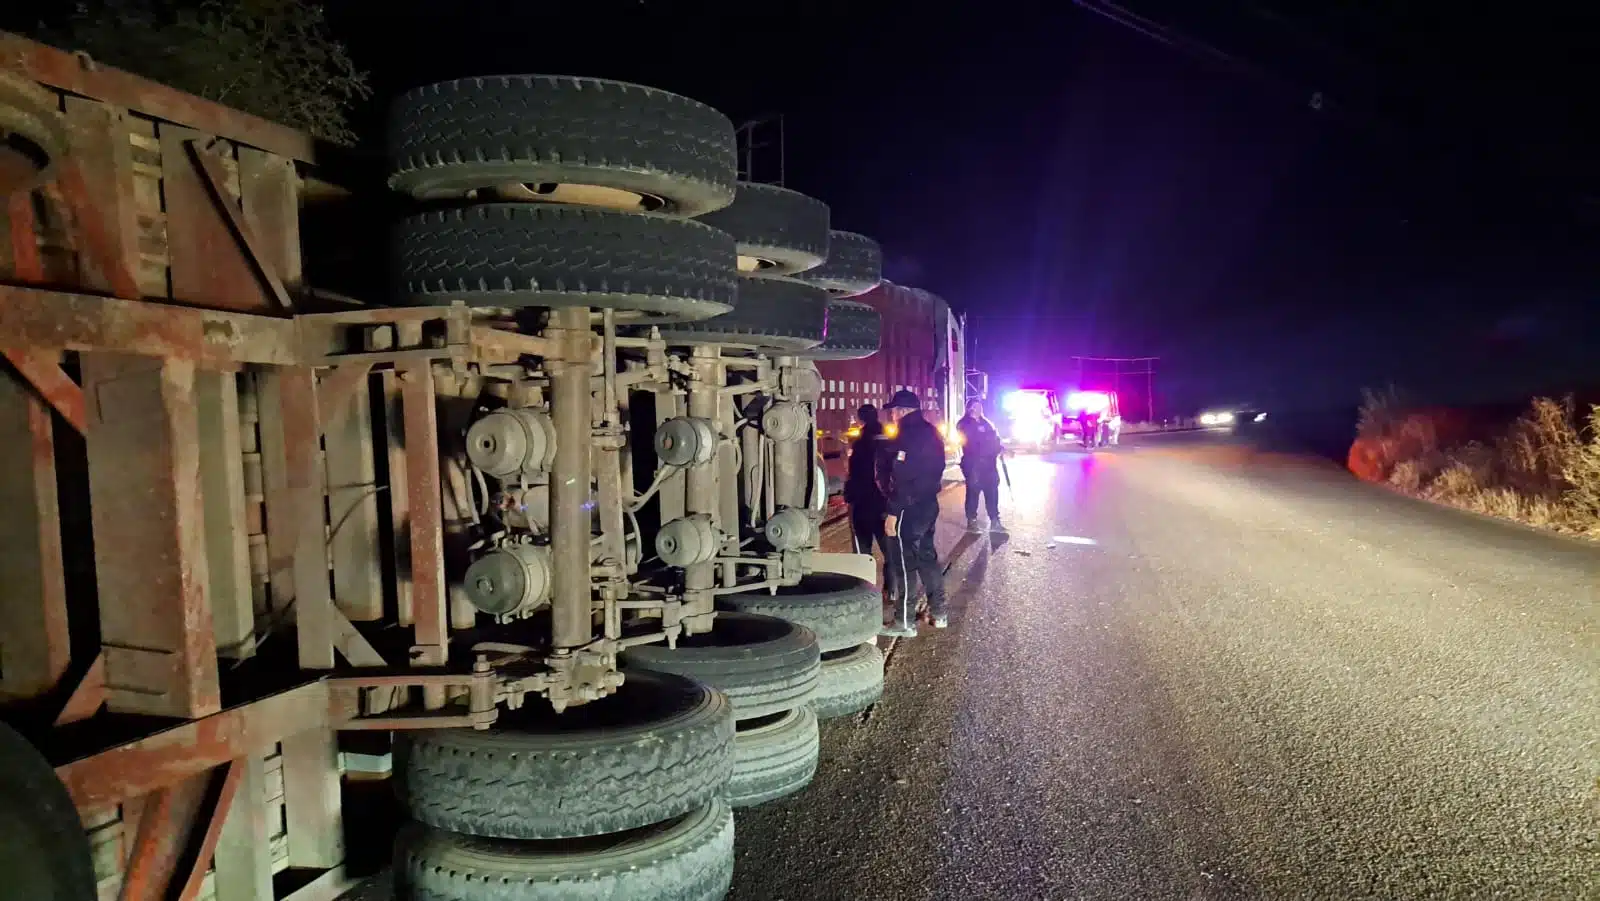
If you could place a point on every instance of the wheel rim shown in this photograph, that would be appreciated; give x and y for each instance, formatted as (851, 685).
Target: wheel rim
(749, 263)
(585, 195)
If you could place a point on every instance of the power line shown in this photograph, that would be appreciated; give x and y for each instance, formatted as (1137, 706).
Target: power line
(1127, 367)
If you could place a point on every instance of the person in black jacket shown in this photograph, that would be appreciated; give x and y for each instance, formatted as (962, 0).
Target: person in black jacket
(980, 465)
(861, 491)
(911, 472)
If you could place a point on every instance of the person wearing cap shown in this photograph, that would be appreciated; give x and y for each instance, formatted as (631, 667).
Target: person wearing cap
(861, 491)
(980, 465)
(911, 473)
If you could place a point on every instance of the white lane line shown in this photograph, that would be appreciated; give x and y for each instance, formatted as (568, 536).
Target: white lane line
(1073, 539)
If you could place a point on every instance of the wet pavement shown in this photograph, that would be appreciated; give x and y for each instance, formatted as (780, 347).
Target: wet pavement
(1195, 671)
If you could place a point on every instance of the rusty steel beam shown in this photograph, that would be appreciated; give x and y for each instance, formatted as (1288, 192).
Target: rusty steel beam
(354, 540)
(216, 813)
(338, 387)
(571, 495)
(270, 195)
(27, 263)
(490, 345)
(220, 339)
(35, 643)
(88, 697)
(303, 505)
(74, 75)
(98, 237)
(359, 681)
(137, 768)
(35, 318)
(381, 315)
(33, 606)
(43, 371)
(205, 267)
(311, 800)
(224, 499)
(215, 179)
(144, 487)
(243, 856)
(404, 722)
(164, 830)
(103, 169)
(425, 527)
(399, 496)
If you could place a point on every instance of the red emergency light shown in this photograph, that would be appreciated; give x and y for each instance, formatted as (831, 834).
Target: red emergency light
(1088, 401)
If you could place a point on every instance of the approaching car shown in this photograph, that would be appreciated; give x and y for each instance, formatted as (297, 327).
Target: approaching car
(1245, 421)
(1236, 418)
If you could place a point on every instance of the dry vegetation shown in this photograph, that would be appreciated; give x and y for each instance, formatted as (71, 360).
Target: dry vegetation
(276, 59)
(1543, 470)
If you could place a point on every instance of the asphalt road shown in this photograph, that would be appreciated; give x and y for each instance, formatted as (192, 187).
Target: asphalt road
(1194, 671)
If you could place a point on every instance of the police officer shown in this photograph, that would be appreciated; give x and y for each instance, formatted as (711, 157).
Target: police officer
(980, 465)
(911, 472)
(861, 489)
(1089, 428)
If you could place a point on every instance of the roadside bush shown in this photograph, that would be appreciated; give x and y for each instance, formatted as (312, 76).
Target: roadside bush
(1393, 442)
(1543, 469)
(1581, 470)
(276, 59)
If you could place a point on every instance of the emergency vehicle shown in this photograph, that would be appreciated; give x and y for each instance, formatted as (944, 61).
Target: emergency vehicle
(1041, 418)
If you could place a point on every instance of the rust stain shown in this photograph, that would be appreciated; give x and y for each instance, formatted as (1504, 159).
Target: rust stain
(41, 439)
(165, 832)
(47, 378)
(215, 817)
(206, 266)
(88, 697)
(32, 317)
(145, 874)
(16, 171)
(214, 332)
(214, 177)
(97, 234)
(166, 758)
(426, 529)
(55, 632)
(26, 263)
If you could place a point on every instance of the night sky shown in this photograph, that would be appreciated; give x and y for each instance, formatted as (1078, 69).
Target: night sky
(1078, 188)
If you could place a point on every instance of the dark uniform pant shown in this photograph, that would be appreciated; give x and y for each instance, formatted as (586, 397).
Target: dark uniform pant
(983, 480)
(911, 558)
(866, 526)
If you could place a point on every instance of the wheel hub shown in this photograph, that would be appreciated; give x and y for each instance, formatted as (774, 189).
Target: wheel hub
(581, 195)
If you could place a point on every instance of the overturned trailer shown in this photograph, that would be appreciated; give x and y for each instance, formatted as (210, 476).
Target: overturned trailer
(525, 522)
(923, 350)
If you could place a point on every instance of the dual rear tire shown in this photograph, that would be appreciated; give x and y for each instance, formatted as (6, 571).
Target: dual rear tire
(619, 798)
(769, 668)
